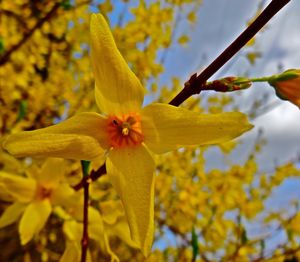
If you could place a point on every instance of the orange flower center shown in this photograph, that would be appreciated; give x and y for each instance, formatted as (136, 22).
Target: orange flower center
(43, 192)
(124, 131)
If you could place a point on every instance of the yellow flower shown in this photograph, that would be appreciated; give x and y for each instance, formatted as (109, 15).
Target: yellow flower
(73, 232)
(126, 133)
(34, 196)
(111, 222)
(287, 85)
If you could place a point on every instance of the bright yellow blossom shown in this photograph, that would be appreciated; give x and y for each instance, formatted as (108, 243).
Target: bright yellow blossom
(126, 133)
(34, 196)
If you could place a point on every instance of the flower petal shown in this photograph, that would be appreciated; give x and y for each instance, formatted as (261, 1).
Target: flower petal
(81, 137)
(131, 172)
(34, 219)
(63, 195)
(166, 127)
(11, 214)
(118, 90)
(52, 171)
(20, 188)
(71, 253)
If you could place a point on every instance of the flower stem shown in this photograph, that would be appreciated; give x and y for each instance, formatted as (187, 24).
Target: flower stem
(195, 83)
(85, 235)
(260, 79)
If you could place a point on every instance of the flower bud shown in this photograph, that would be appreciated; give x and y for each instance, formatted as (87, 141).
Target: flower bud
(287, 85)
(229, 84)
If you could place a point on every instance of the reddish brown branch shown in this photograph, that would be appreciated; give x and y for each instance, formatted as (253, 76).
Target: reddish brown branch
(94, 175)
(194, 84)
(85, 235)
(6, 56)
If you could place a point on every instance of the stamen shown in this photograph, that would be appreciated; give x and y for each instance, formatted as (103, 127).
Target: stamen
(124, 131)
(43, 192)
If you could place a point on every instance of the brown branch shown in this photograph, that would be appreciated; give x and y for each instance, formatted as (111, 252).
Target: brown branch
(85, 235)
(194, 84)
(94, 175)
(4, 58)
(15, 16)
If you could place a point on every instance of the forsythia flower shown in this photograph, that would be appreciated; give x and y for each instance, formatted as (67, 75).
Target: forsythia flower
(73, 231)
(34, 197)
(287, 85)
(126, 133)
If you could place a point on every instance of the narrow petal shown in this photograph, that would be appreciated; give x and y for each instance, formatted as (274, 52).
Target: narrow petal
(11, 214)
(5, 195)
(63, 195)
(20, 188)
(118, 90)
(81, 137)
(52, 171)
(96, 232)
(166, 127)
(72, 230)
(71, 253)
(34, 219)
(131, 173)
(9, 163)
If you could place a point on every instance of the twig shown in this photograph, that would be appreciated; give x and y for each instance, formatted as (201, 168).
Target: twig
(85, 234)
(194, 84)
(94, 175)
(4, 58)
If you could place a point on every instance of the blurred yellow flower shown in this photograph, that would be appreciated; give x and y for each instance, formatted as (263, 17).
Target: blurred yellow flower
(73, 232)
(34, 196)
(126, 133)
(287, 85)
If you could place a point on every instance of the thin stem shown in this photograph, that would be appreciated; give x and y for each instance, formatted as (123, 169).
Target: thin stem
(85, 235)
(94, 175)
(194, 85)
(260, 79)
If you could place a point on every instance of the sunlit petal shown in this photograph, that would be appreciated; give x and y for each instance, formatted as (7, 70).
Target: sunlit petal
(166, 127)
(71, 253)
(131, 172)
(63, 195)
(20, 188)
(80, 137)
(118, 90)
(12, 213)
(51, 172)
(34, 219)
(72, 230)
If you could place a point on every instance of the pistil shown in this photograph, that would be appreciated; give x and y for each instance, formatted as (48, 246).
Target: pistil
(124, 131)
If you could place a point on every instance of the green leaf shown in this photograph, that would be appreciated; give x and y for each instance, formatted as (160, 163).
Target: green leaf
(2, 48)
(262, 246)
(66, 5)
(195, 244)
(244, 237)
(22, 110)
(85, 165)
